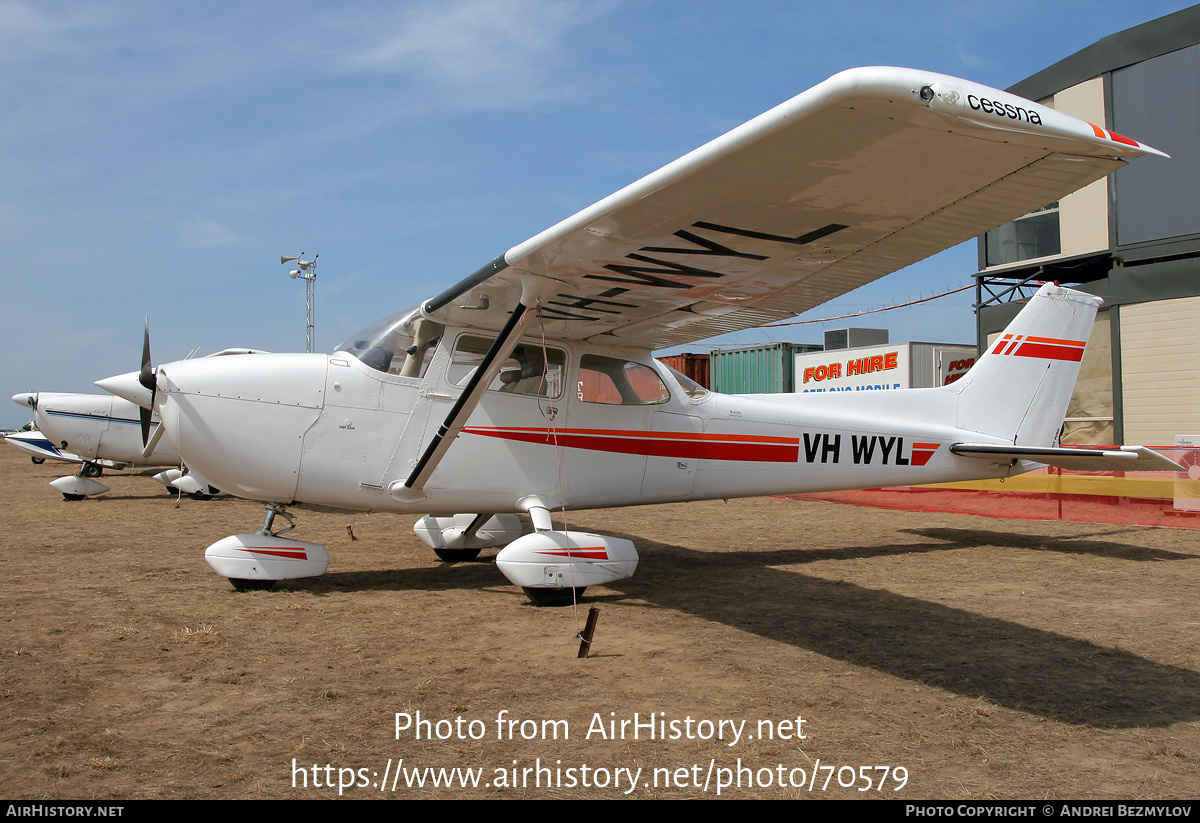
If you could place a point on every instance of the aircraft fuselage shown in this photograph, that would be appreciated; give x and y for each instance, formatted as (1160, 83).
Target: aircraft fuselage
(330, 429)
(96, 427)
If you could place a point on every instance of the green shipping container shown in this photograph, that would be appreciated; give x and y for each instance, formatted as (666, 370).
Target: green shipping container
(757, 370)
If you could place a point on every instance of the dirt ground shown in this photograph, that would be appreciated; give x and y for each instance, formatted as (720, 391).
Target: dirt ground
(944, 656)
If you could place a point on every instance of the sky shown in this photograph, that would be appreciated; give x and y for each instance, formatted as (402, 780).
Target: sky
(157, 158)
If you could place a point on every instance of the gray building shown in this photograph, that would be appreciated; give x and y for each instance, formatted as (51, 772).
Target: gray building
(1132, 239)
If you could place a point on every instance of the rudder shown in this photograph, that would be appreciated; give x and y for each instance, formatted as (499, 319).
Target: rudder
(1020, 388)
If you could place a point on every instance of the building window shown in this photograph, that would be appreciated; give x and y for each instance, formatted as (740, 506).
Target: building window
(1026, 238)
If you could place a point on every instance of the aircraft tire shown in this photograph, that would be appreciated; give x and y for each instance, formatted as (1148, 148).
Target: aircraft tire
(73, 497)
(244, 585)
(201, 496)
(553, 597)
(91, 470)
(37, 461)
(456, 555)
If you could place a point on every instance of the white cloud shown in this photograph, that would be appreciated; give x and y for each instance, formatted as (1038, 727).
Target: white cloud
(28, 31)
(203, 233)
(480, 54)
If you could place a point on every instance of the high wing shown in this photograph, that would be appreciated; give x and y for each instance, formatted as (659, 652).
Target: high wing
(872, 170)
(35, 444)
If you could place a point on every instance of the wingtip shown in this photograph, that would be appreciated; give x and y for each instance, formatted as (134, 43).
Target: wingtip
(1114, 137)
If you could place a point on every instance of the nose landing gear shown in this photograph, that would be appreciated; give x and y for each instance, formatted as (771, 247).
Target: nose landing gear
(254, 562)
(81, 485)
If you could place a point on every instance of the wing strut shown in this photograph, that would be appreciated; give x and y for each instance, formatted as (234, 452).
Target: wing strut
(484, 374)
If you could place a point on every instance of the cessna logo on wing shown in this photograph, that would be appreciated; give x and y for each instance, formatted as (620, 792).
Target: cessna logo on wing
(1004, 109)
(651, 271)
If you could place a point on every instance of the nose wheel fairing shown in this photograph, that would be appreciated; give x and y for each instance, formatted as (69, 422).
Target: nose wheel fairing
(266, 557)
(77, 487)
(256, 561)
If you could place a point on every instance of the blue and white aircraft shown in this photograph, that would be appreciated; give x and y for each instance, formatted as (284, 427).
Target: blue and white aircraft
(98, 431)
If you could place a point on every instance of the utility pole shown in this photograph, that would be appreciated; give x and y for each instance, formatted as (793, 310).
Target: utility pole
(308, 273)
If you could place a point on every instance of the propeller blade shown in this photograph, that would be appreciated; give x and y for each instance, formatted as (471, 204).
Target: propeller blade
(146, 378)
(158, 433)
(149, 380)
(144, 416)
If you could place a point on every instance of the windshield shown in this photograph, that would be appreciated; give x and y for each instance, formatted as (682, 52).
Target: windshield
(690, 387)
(401, 343)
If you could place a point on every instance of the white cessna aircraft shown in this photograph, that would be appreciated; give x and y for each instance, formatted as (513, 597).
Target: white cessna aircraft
(99, 432)
(529, 386)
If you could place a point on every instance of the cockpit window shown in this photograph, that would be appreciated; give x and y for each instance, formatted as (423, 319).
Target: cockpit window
(619, 382)
(526, 371)
(400, 344)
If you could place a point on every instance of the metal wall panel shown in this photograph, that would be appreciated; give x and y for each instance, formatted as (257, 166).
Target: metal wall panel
(1160, 378)
(1158, 102)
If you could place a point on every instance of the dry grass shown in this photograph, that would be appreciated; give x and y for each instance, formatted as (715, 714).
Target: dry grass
(992, 659)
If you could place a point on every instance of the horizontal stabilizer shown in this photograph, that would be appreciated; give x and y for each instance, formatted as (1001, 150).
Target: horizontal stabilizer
(1123, 458)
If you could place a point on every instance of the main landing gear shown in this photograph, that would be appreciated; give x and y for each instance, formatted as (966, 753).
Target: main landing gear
(178, 481)
(553, 597)
(461, 538)
(552, 567)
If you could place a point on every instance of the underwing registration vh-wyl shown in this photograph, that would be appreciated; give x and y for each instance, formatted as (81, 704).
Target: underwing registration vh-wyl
(529, 386)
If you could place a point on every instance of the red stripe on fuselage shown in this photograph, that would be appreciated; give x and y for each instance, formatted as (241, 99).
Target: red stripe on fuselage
(688, 445)
(921, 452)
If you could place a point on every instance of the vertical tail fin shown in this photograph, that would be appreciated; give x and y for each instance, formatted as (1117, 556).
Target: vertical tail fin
(1020, 388)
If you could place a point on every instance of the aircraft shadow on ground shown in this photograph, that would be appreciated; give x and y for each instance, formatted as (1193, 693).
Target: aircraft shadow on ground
(479, 574)
(1083, 544)
(1032, 670)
